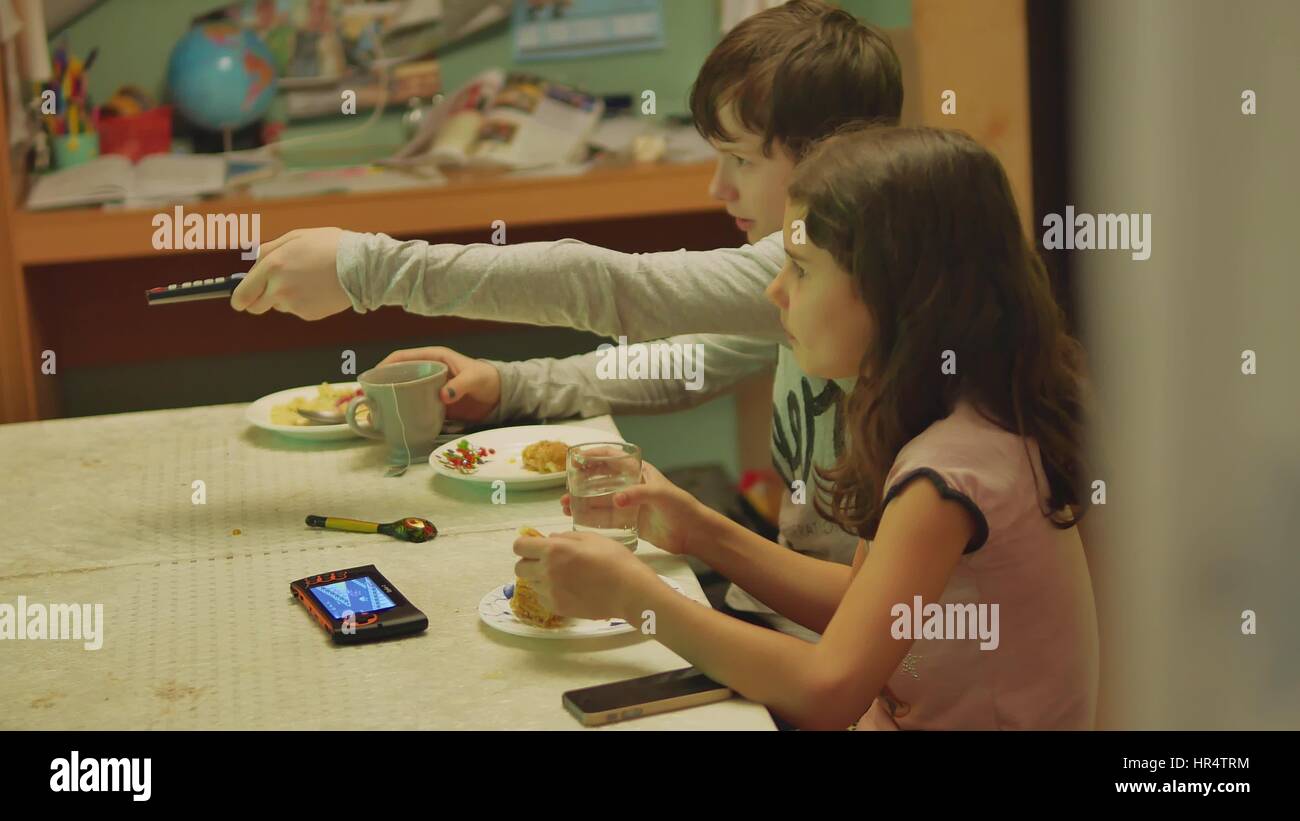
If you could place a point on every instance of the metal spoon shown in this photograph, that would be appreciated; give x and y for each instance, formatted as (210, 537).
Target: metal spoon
(321, 418)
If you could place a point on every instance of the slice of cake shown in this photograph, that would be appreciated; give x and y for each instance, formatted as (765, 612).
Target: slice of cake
(546, 456)
(525, 604)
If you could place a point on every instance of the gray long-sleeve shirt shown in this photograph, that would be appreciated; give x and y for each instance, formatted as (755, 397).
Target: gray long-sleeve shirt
(570, 283)
(713, 299)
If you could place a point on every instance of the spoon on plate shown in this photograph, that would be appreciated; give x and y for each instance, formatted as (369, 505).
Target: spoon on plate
(320, 417)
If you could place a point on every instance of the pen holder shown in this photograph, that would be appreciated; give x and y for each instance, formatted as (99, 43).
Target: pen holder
(74, 149)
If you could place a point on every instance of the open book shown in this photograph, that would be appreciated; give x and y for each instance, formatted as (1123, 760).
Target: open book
(113, 177)
(516, 121)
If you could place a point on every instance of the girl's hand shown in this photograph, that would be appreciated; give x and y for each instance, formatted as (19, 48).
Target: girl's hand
(473, 388)
(295, 273)
(580, 574)
(669, 518)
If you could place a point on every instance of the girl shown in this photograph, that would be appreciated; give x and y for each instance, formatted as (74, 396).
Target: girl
(910, 282)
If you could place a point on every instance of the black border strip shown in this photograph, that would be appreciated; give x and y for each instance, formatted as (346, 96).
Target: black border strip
(981, 524)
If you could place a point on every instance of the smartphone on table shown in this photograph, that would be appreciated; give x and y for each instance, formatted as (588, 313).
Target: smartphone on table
(648, 695)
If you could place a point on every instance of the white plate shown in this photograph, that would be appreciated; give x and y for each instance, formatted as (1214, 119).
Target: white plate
(494, 610)
(509, 443)
(259, 414)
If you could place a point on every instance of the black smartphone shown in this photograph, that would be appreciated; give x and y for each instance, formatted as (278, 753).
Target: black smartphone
(358, 605)
(636, 697)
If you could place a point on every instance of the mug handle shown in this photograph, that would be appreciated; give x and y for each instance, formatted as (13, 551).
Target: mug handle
(350, 415)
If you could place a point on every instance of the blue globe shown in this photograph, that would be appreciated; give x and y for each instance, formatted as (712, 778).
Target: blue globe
(221, 76)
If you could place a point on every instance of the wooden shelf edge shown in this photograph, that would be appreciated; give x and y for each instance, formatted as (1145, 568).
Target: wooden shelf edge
(87, 235)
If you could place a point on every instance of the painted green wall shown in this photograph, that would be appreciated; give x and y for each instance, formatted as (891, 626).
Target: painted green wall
(135, 38)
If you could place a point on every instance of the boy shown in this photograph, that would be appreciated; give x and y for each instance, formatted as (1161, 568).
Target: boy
(777, 82)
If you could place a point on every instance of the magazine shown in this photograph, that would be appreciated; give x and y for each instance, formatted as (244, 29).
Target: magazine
(512, 121)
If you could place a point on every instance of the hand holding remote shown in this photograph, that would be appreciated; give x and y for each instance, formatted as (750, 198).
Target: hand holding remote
(295, 274)
(192, 290)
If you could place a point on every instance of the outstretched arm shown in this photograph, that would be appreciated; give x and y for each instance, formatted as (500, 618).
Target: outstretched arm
(569, 283)
(317, 272)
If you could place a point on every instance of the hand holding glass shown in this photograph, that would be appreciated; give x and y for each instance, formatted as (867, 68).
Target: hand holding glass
(596, 472)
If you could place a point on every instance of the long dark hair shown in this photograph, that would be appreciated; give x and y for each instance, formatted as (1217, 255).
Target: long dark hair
(925, 222)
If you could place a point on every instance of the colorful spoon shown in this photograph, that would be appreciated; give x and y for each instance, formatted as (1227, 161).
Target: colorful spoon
(410, 529)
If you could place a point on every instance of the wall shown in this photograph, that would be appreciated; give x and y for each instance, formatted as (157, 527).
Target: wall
(1201, 460)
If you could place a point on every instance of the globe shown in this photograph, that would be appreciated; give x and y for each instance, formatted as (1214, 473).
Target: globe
(221, 76)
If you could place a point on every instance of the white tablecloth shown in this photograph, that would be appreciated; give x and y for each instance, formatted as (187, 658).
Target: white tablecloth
(199, 628)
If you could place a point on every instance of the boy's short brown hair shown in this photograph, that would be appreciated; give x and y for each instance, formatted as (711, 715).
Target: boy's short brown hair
(795, 73)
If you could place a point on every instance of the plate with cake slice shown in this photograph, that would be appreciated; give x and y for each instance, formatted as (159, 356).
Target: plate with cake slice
(496, 611)
(516, 609)
(531, 456)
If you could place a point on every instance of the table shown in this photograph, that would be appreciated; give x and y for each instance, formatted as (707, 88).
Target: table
(199, 628)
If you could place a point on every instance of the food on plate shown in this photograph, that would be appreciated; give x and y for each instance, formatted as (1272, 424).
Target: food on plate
(328, 399)
(524, 602)
(465, 457)
(546, 456)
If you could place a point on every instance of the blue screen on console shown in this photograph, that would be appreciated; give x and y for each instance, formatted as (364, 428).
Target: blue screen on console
(360, 595)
